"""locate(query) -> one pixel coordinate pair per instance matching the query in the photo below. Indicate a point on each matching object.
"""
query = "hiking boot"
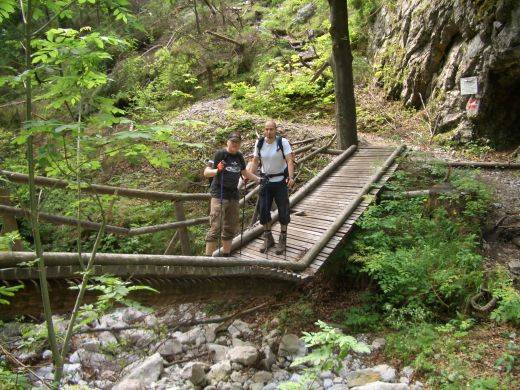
(282, 243)
(222, 254)
(268, 242)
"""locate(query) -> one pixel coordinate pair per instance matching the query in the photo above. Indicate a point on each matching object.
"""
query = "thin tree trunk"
(197, 21)
(32, 193)
(343, 79)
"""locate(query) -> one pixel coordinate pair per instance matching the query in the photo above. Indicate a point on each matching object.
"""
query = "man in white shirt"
(276, 156)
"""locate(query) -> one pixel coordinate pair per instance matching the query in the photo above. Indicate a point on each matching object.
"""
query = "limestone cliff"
(422, 48)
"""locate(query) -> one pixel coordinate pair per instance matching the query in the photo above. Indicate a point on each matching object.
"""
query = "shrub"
(424, 266)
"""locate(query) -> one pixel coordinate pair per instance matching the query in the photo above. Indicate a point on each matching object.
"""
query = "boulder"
(218, 352)
(262, 377)
(194, 372)
(245, 355)
(170, 347)
(146, 371)
(291, 345)
(382, 386)
(220, 371)
(378, 343)
(387, 373)
(269, 358)
(129, 384)
(305, 13)
(362, 377)
(239, 329)
(139, 338)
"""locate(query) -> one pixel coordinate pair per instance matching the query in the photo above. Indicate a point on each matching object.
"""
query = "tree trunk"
(343, 79)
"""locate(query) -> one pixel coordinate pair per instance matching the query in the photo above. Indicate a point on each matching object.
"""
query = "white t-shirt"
(272, 160)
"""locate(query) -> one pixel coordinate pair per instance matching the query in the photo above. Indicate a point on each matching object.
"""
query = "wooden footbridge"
(323, 212)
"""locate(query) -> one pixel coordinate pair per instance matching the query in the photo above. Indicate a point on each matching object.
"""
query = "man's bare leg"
(211, 246)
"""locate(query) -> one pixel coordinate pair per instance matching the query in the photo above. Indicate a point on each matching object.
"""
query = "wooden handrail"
(106, 190)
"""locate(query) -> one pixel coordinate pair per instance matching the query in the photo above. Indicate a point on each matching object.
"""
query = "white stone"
(291, 345)
(328, 383)
(269, 359)
(138, 337)
(387, 373)
(192, 336)
(382, 386)
(210, 332)
(237, 376)
(147, 370)
(219, 352)
(47, 354)
(404, 380)
(407, 371)
(170, 347)
(106, 338)
(220, 371)
(240, 328)
(245, 355)
(129, 384)
(378, 343)
(91, 345)
(262, 377)
(194, 372)
(131, 315)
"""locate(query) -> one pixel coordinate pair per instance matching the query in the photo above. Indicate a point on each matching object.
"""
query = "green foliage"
(112, 291)
(509, 358)
(7, 7)
(296, 315)
(501, 287)
(447, 355)
(8, 292)
(10, 380)
(329, 347)
(423, 265)
(360, 319)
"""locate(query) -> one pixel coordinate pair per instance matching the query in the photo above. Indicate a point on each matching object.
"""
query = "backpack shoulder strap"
(280, 145)
(259, 145)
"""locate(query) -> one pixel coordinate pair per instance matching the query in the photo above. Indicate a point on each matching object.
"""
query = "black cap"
(235, 136)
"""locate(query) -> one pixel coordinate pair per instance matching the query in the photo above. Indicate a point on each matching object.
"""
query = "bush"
(424, 265)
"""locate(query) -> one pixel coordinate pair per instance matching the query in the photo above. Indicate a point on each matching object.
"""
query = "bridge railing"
(9, 213)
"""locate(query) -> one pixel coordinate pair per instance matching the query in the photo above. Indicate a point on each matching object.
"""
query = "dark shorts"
(278, 192)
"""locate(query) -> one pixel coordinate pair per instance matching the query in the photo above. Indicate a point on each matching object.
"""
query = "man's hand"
(290, 182)
(221, 165)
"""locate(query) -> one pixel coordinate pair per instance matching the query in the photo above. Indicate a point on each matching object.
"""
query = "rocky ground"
(148, 353)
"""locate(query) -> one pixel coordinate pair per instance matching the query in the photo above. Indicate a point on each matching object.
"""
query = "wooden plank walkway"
(312, 216)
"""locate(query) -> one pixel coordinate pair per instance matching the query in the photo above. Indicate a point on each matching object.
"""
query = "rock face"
(421, 50)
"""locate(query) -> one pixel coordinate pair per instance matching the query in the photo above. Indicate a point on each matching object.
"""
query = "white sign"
(468, 85)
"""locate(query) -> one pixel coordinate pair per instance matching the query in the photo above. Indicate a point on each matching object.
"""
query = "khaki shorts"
(230, 219)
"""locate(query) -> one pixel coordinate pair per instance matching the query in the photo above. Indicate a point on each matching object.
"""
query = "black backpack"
(279, 145)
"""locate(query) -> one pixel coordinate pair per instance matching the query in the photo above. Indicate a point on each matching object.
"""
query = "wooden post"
(183, 231)
(10, 224)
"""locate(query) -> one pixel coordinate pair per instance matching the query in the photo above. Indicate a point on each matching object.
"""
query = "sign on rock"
(469, 85)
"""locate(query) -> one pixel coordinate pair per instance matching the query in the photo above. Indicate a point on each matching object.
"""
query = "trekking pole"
(243, 217)
(221, 210)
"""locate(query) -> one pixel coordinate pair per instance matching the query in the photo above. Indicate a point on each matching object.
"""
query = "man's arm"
(290, 167)
(254, 165)
(250, 176)
(210, 172)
